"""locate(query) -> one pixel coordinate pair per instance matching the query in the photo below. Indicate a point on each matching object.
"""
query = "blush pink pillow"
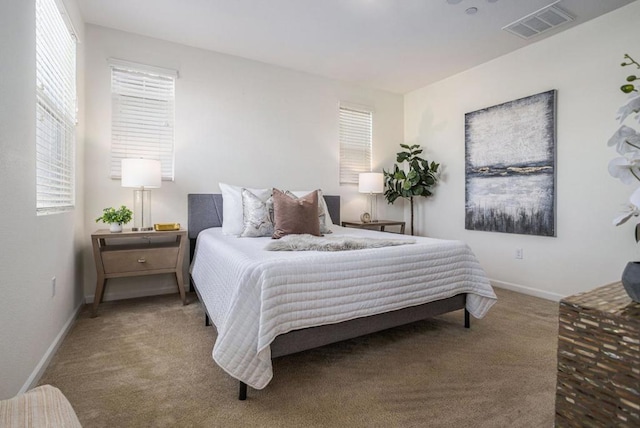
(295, 216)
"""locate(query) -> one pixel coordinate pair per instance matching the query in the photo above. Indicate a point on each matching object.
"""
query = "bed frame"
(205, 211)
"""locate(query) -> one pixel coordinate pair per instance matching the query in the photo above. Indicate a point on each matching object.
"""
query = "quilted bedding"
(253, 295)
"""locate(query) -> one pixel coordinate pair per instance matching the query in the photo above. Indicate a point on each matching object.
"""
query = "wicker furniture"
(599, 360)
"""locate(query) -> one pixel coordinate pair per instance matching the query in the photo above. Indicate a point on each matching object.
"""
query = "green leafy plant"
(123, 215)
(418, 180)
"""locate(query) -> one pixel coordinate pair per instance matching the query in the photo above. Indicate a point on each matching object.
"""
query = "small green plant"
(119, 216)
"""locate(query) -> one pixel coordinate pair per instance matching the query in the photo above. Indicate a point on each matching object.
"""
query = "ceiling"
(394, 45)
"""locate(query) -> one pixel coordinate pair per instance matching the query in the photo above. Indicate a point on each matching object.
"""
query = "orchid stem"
(633, 61)
(632, 145)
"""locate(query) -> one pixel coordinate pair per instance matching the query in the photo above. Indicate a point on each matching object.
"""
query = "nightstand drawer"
(139, 260)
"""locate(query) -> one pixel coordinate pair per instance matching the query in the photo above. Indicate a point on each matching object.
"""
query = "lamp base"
(374, 207)
(142, 210)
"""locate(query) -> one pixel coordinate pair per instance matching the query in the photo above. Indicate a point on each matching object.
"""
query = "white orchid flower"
(626, 140)
(634, 199)
(631, 211)
(632, 106)
(626, 169)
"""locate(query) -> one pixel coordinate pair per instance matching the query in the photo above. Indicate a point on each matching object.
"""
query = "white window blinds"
(355, 142)
(142, 120)
(55, 110)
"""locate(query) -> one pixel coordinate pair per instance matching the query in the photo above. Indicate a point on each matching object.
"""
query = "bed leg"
(467, 321)
(207, 321)
(242, 392)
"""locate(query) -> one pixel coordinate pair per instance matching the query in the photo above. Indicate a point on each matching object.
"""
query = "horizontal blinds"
(355, 143)
(142, 121)
(55, 110)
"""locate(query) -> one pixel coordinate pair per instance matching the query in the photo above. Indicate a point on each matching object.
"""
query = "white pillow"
(326, 227)
(232, 218)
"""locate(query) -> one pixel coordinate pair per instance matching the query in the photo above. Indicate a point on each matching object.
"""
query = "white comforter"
(253, 295)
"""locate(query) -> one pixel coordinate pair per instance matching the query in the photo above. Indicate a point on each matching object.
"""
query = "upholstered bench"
(44, 406)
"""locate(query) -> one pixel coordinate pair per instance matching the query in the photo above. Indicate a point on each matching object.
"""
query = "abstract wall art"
(510, 166)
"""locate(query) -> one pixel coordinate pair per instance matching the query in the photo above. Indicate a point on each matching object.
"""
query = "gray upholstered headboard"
(205, 211)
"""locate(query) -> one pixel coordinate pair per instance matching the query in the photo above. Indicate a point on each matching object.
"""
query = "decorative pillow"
(295, 216)
(232, 214)
(323, 211)
(257, 214)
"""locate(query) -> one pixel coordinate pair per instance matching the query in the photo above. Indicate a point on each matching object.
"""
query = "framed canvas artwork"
(510, 167)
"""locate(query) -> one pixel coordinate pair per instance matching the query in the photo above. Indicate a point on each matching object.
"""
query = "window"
(355, 142)
(55, 110)
(142, 115)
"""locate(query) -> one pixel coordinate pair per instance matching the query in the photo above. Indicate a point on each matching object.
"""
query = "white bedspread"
(253, 295)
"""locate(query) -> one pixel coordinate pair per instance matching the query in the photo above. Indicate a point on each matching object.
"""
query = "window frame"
(55, 108)
(142, 96)
(355, 134)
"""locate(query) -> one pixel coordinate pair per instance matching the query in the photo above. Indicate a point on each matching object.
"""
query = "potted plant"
(115, 217)
(418, 180)
(626, 167)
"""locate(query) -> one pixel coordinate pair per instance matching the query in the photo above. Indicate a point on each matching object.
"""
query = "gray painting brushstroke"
(510, 167)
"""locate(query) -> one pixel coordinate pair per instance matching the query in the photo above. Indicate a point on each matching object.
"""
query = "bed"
(287, 303)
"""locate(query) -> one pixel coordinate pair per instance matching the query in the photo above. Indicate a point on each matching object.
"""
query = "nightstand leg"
(180, 282)
(97, 298)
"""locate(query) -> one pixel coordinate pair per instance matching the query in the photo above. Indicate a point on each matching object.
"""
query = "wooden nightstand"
(380, 225)
(137, 253)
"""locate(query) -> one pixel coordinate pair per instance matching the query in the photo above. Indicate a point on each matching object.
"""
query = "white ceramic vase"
(115, 227)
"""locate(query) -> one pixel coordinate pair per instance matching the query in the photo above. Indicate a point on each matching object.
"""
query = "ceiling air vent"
(539, 21)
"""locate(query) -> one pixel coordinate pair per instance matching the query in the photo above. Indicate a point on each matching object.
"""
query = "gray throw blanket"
(331, 243)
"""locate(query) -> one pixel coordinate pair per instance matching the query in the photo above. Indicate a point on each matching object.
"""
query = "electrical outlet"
(53, 286)
(519, 254)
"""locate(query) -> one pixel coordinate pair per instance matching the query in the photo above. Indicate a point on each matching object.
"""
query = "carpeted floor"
(147, 362)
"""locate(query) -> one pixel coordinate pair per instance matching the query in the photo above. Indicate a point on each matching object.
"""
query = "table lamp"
(141, 174)
(371, 183)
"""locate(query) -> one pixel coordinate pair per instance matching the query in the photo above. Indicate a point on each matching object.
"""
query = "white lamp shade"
(141, 173)
(371, 182)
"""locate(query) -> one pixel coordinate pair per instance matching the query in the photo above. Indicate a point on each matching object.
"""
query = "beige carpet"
(147, 362)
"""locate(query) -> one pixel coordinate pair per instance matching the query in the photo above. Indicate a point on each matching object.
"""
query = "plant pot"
(631, 280)
(115, 227)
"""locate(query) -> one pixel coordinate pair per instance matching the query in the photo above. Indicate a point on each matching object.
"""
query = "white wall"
(34, 248)
(583, 65)
(237, 121)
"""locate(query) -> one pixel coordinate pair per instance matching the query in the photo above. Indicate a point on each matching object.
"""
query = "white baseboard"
(37, 373)
(527, 290)
(131, 294)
